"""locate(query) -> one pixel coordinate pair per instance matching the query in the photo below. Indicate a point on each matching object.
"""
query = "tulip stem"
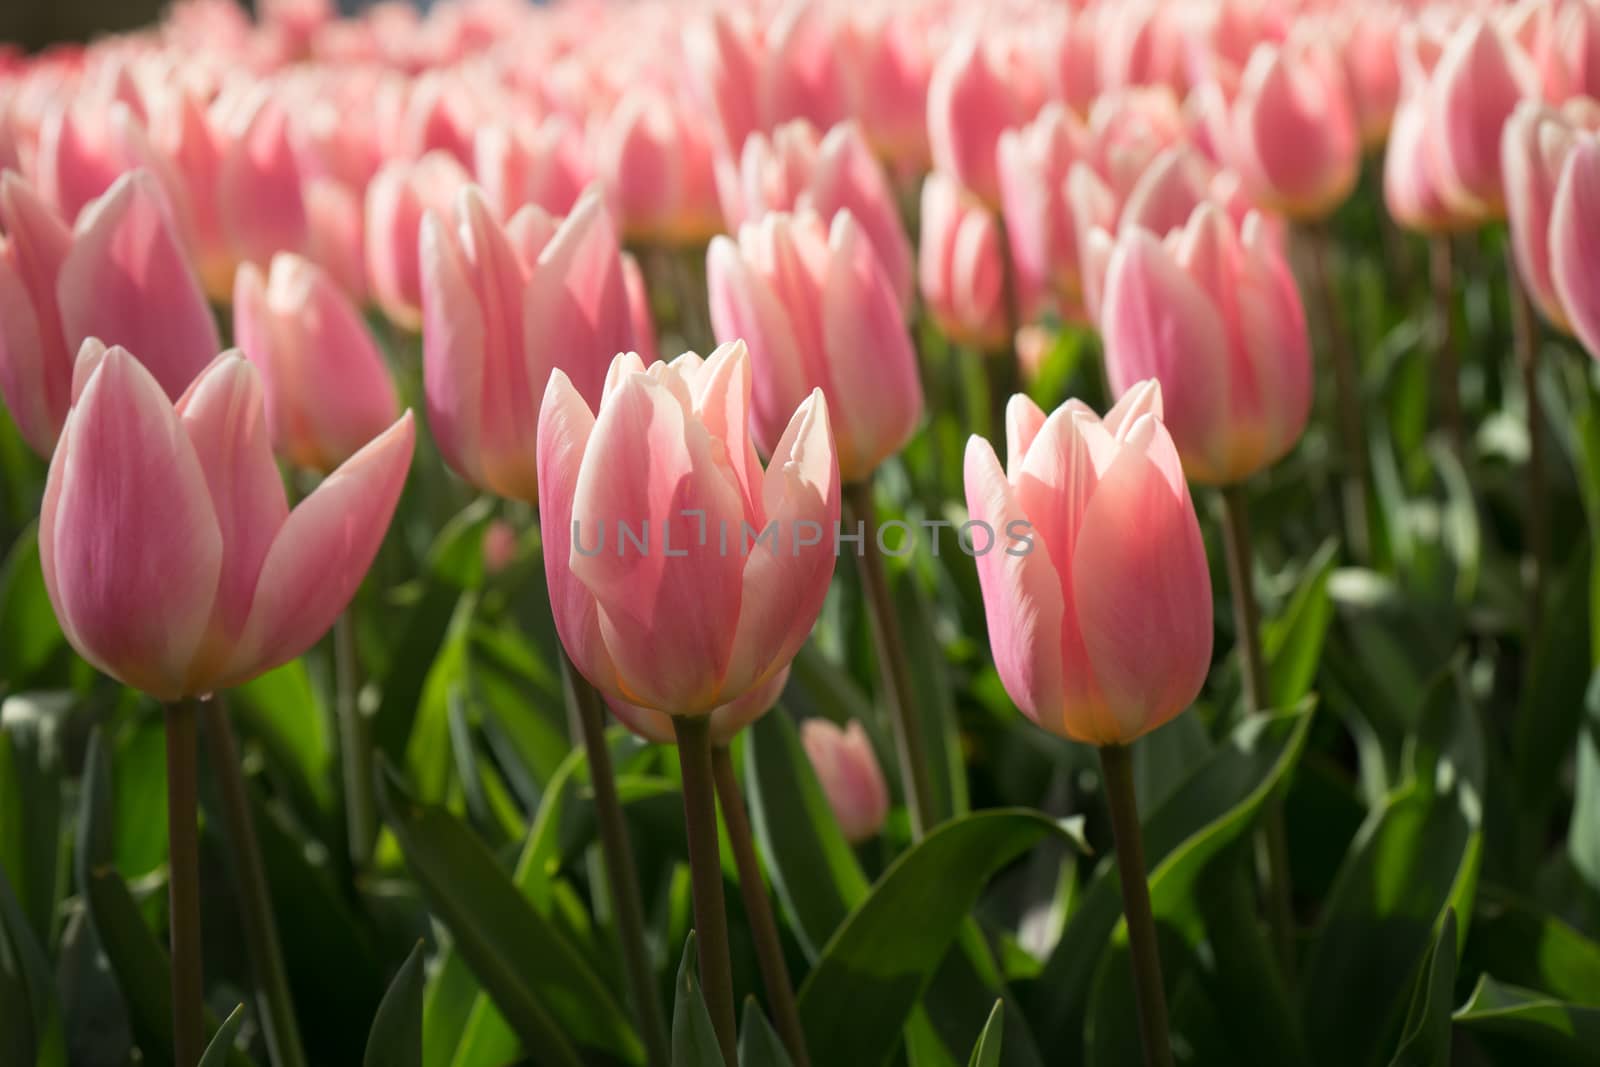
(275, 1004)
(1004, 373)
(622, 877)
(910, 747)
(705, 876)
(1347, 391)
(355, 745)
(1525, 341)
(183, 883)
(1116, 768)
(758, 908)
(1257, 697)
(1446, 360)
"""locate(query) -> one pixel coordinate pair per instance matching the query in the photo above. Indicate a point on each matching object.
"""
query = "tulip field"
(802, 533)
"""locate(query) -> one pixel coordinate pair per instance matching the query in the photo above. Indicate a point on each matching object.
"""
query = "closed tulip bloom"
(850, 776)
(327, 390)
(261, 196)
(639, 313)
(1033, 165)
(688, 622)
(959, 266)
(1212, 313)
(504, 306)
(972, 100)
(815, 306)
(726, 721)
(1368, 43)
(655, 158)
(1574, 250)
(886, 63)
(1100, 623)
(399, 196)
(167, 544)
(521, 163)
(35, 367)
(1538, 139)
(1480, 78)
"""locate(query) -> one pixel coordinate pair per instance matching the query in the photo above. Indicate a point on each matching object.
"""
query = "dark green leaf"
(1512, 939)
(217, 1053)
(1583, 835)
(396, 1036)
(759, 1045)
(987, 1052)
(694, 1039)
(1523, 1027)
(1425, 1040)
(30, 803)
(1292, 642)
(26, 617)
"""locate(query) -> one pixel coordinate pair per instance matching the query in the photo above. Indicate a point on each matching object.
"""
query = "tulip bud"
(850, 776)
(520, 163)
(499, 546)
(35, 368)
(1033, 165)
(1534, 150)
(1479, 80)
(972, 99)
(1368, 42)
(504, 306)
(261, 199)
(1099, 614)
(959, 266)
(655, 161)
(169, 552)
(1574, 255)
(886, 63)
(1213, 314)
(327, 389)
(812, 301)
(682, 575)
(397, 199)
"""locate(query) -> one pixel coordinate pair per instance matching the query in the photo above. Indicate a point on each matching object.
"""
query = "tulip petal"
(453, 336)
(1575, 243)
(1024, 420)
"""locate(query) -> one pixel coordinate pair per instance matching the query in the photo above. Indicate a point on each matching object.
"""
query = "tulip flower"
(1573, 250)
(886, 63)
(1101, 622)
(502, 307)
(679, 623)
(169, 551)
(81, 147)
(35, 369)
(398, 198)
(1534, 150)
(959, 266)
(973, 97)
(1477, 84)
(327, 390)
(1033, 165)
(726, 721)
(795, 170)
(261, 197)
(654, 158)
(1213, 314)
(850, 776)
(521, 163)
(818, 312)
(1368, 43)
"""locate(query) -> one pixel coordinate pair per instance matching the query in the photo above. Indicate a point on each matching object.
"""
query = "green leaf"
(987, 1052)
(1583, 834)
(30, 803)
(1425, 1040)
(31, 982)
(1521, 944)
(421, 639)
(281, 713)
(871, 973)
(217, 1052)
(26, 618)
(933, 699)
(1292, 642)
(1521, 1026)
(694, 1039)
(759, 1045)
(396, 1036)
(542, 985)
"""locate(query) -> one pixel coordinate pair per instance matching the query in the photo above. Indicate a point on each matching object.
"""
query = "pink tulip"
(80, 150)
(972, 99)
(504, 306)
(1537, 141)
(1577, 38)
(1033, 166)
(327, 390)
(726, 720)
(184, 136)
(851, 779)
(1072, 45)
(959, 266)
(499, 546)
(397, 199)
(794, 170)
(1292, 129)
(522, 163)
(725, 59)
(1413, 183)
(1101, 622)
(35, 368)
(1479, 80)
(128, 281)
(1141, 44)
(1574, 251)
(654, 157)
(168, 548)
(816, 308)
(261, 196)
(688, 622)
(886, 63)
(1368, 43)
(1212, 313)
(1128, 129)
(639, 314)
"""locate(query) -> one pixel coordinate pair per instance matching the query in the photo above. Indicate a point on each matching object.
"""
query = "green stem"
(1257, 697)
(910, 747)
(275, 1004)
(1357, 488)
(758, 908)
(1525, 341)
(355, 745)
(1117, 769)
(183, 883)
(1446, 358)
(705, 876)
(622, 877)
(1003, 367)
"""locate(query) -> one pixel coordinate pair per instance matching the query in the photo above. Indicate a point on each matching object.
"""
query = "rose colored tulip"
(1412, 179)
(35, 369)
(327, 390)
(1128, 129)
(128, 281)
(1141, 44)
(1213, 314)
(80, 153)
(654, 157)
(261, 197)
(794, 170)
(1574, 251)
(1479, 80)
(973, 98)
(1101, 622)
(1033, 166)
(521, 163)
(1577, 39)
(851, 779)
(1368, 42)
(504, 306)
(397, 199)
(1537, 141)
(1291, 131)
(683, 625)
(816, 308)
(886, 63)
(499, 546)
(959, 268)
(639, 314)
(183, 135)
(1072, 45)
(726, 721)
(168, 548)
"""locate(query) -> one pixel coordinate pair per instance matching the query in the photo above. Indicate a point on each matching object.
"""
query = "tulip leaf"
(876, 966)
(396, 1036)
(539, 981)
(1425, 1040)
(1514, 940)
(1521, 1026)
(1583, 834)
(759, 1044)
(694, 1039)
(26, 617)
(30, 803)
(1292, 642)
(987, 1051)
(217, 1052)
(26, 976)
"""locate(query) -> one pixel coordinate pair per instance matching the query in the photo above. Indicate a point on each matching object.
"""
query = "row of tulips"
(803, 186)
